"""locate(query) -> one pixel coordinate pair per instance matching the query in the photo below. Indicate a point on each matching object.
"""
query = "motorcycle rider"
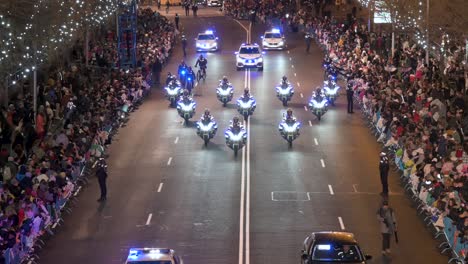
(182, 66)
(224, 83)
(170, 78)
(202, 61)
(284, 81)
(318, 95)
(186, 99)
(289, 116)
(235, 125)
(246, 96)
(191, 74)
(206, 118)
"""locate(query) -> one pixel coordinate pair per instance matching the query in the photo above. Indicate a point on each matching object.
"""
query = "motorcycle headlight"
(207, 127)
(316, 104)
(223, 91)
(290, 129)
(172, 91)
(186, 107)
(234, 137)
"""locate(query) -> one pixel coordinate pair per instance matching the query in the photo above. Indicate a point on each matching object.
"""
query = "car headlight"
(260, 59)
(281, 43)
(199, 45)
(265, 43)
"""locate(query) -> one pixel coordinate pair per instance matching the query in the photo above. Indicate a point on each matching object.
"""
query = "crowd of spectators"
(42, 156)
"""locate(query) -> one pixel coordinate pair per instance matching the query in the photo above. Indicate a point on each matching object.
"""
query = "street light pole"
(427, 31)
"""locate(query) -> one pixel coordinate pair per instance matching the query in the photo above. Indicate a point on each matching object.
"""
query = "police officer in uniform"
(349, 95)
(308, 40)
(101, 174)
(384, 167)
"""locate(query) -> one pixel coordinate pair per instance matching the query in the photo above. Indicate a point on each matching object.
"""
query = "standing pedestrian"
(388, 225)
(384, 167)
(156, 69)
(101, 174)
(308, 40)
(187, 9)
(159, 4)
(184, 44)
(349, 95)
(176, 19)
(167, 6)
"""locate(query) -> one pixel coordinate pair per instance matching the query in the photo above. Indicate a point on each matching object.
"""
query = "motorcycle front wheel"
(246, 116)
(285, 102)
(207, 140)
(236, 149)
(290, 143)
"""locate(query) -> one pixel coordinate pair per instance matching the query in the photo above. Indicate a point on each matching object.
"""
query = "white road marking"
(160, 187)
(176, 140)
(295, 74)
(288, 51)
(246, 29)
(341, 223)
(247, 203)
(292, 66)
(298, 84)
(302, 96)
(169, 161)
(331, 189)
(290, 58)
(148, 221)
(310, 123)
(305, 108)
(355, 188)
(315, 140)
(323, 163)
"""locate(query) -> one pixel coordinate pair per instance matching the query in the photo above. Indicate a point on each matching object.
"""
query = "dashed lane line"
(330, 188)
(160, 186)
(176, 140)
(323, 163)
(305, 108)
(148, 221)
(169, 161)
(316, 141)
(302, 96)
(341, 223)
(310, 123)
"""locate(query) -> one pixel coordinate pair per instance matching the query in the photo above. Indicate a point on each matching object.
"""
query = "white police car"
(214, 3)
(153, 256)
(206, 41)
(249, 56)
(273, 39)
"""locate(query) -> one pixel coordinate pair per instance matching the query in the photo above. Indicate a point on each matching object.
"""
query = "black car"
(332, 247)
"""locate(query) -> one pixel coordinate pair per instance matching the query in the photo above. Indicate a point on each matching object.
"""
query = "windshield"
(337, 253)
(272, 35)
(249, 50)
(151, 262)
(206, 37)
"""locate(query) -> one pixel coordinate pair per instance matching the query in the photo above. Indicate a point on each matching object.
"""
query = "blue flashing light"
(182, 72)
(323, 247)
(189, 78)
(275, 30)
(133, 252)
(209, 32)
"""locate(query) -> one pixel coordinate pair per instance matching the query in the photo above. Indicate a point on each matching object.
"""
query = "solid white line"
(315, 140)
(298, 84)
(169, 161)
(241, 217)
(331, 189)
(341, 223)
(160, 187)
(310, 123)
(323, 163)
(176, 140)
(302, 96)
(247, 194)
(148, 221)
(305, 108)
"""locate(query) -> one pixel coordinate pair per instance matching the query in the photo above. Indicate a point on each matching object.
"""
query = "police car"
(214, 2)
(206, 41)
(273, 39)
(153, 256)
(332, 247)
(249, 56)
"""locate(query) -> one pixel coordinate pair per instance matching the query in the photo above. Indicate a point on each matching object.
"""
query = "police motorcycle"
(236, 136)
(284, 91)
(246, 104)
(182, 71)
(289, 127)
(224, 91)
(318, 104)
(190, 79)
(206, 127)
(331, 88)
(173, 90)
(186, 107)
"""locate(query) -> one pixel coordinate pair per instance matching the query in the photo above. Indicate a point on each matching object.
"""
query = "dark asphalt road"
(197, 211)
